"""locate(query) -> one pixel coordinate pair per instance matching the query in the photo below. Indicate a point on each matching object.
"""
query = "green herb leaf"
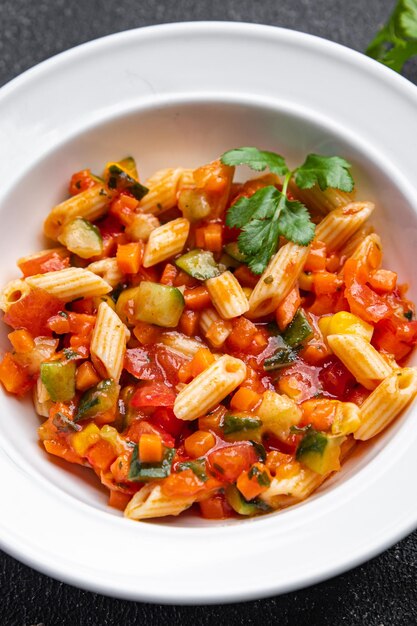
(263, 218)
(325, 171)
(198, 467)
(396, 42)
(312, 441)
(232, 424)
(256, 159)
(261, 477)
(141, 472)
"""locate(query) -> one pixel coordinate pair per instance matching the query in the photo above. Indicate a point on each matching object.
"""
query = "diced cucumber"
(298, 331)
(125, 305)
(150, 471)
(128, 164)
(59, 379)
(82, 238)
(228, 262)
(232, 249)
(199, 264)
(119, 176)
(319, 452)
(158, 304)
(242, 506)
(99, 399)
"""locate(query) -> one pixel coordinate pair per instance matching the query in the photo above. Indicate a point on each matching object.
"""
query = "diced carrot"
(21, 341)
(129, 256)
(169, 274)
(199, 443)
(253, 482)
(282, 465)
(316, 259)
(213, 237)
(150, 448)
(146, 333)
(242, 334)
(315, 352)
(333, 263)
(320, 413)
(288, 308)
(101, 455)
(123, 207)
(105, 418)
(119, 500)
(326, 283)
(197, 298)
(246, 277)
(200, 239)
(85, 306)
(81, 323)
(244, 399)
(183, 484)
(184, 373)
(383, 280)
(86, 376)
(188, 323)
(57, 448)
(184, 279)
(120, 467)
(13, 377)
(215, 507)
(59, 324)
(202, 359)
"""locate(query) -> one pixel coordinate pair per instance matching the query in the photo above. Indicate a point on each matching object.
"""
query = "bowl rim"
(23, 551)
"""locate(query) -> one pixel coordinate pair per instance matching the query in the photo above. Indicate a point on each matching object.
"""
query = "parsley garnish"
(269, 213)
(396, 42)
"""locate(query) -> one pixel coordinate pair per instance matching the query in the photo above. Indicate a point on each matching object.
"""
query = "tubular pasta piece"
(227, 295)
(151, 502)
(89, 204)
(41, 399)
(214, 328)
(362, 250)
(361, 359)
(13, 292)
(357, 238)
(339, 225)
(209, 388)
(284, 268)
(186, 179)
(386, 402)
(162, 194)
(108, 342)
(181, 343)
(70, 283)
(166, 241)
(322, 201)
(108, 270)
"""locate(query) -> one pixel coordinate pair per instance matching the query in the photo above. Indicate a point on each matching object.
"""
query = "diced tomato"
(142, 426)
(182, 484)
(395, 337)
(154, 363)
(51, 261)
(242, 334)
(216, 507)
(80, 181)
(153, 394)
(33, 311)
(14, 377)
(101, 455)
(228, 462)
(335, 378)
(164, 418)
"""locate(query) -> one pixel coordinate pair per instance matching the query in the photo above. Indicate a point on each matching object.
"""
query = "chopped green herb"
(63, 314)
(141, 472)
(261, 477)
(312, 441)
(408, 315)
(233, 423)
(198, 467)
(64, 424)
(70, 355)
(260, 450)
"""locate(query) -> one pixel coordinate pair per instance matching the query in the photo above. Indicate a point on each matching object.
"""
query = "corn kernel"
(344, 323)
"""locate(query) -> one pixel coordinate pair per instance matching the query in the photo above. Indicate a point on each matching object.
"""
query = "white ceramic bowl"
(182, 94)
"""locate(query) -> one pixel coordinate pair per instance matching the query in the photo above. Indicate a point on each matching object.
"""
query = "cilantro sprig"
(396, 42)
(269, 214)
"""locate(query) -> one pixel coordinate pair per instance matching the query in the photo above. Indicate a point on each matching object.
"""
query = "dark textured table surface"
(381, 592)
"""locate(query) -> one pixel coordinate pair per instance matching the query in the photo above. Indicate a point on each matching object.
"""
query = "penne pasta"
(355, 240)
(13, 292)
(70, 283)
(166, 241)
(227, 295)
(370, 247)
(277, 280)
(141, 226)
(214, 328)
(162, 194)
(181, 343)
(149, 502)
(108, 270)
(360, 358)
(89, 204)
(339, 225)
(386, 402)
(322, 201)
(108, 343)
(209, 388)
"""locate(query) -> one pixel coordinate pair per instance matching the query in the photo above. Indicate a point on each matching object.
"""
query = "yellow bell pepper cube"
(84, 439)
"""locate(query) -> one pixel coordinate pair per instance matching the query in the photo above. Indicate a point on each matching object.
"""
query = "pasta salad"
(210, 344)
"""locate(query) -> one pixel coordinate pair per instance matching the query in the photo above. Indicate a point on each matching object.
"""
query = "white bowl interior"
(186, 133)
